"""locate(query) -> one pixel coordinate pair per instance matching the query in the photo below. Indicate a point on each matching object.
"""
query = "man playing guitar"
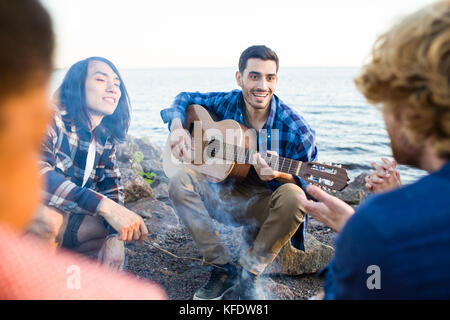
(265, 202)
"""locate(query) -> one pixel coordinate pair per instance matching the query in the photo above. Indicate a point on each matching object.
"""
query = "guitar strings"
(244, 155)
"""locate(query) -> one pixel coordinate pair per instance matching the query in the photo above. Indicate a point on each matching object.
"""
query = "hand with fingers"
(329, 210)
(385, 177)
(129, 225)
(264, 171)
(180, 142)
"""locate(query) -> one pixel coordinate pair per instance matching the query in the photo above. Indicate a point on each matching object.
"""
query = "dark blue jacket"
(397, 244)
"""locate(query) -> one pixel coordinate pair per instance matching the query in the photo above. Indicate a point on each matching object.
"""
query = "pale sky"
(210, 33)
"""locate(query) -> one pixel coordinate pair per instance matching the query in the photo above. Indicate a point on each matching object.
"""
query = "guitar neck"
(246, 156)
(282, 164)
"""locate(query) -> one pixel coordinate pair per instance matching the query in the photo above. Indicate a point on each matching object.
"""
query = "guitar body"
(203, 130)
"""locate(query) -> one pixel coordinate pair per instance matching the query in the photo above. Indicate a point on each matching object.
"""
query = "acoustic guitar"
(224, 151)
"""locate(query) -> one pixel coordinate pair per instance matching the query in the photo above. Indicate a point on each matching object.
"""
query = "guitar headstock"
(326, 176)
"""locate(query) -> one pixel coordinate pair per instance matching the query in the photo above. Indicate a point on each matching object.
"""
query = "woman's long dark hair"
(72, 96)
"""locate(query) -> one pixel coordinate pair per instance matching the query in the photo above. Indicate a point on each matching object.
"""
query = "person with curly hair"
(395, 245)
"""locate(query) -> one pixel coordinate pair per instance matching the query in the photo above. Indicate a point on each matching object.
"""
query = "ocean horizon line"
(234, 68)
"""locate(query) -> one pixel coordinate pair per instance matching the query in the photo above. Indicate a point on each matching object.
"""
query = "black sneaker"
(220, 282)
(250, 287)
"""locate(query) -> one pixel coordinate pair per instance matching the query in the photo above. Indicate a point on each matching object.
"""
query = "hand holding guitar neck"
(267, 173)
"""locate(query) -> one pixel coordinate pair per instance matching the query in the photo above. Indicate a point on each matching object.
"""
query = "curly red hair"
(410, 67)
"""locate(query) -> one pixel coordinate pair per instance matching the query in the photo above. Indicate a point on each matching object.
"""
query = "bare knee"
(47, 223)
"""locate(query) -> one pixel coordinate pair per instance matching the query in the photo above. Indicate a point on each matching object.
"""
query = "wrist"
(176, 124)
(103, 208)
(285, 178)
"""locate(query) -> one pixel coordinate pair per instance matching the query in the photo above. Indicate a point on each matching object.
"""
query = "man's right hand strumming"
(180, 142)
(128, 224)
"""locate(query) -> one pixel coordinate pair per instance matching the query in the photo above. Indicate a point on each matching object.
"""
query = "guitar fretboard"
(218, 149)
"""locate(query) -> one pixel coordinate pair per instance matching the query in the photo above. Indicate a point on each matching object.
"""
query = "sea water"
(349, 131)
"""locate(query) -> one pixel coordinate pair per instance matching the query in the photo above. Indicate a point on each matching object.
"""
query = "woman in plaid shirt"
(83, 197)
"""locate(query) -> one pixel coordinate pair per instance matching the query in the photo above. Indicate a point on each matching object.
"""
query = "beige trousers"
(269, 218)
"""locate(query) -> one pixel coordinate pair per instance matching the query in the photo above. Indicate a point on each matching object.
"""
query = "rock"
(291, 261)
(322, 232)
(155, 165)
(125, 151)
(355, 192)
(151, 151)
(129, 165)
(277, 291)
(161, 191)
(135, 186)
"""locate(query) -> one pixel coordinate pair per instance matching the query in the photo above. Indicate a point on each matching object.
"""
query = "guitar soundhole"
(191, 128)
(212, 148)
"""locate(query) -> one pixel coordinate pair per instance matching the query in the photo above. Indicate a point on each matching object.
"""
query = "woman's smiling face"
(102, 89)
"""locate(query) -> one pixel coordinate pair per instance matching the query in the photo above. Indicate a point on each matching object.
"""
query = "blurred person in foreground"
(395, 246)
(29, 267)
(83, 196)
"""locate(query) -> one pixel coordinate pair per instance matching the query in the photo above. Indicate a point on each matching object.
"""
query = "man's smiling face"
(258, 82)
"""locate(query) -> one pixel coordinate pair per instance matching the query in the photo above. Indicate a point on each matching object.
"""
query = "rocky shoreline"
(169, 256)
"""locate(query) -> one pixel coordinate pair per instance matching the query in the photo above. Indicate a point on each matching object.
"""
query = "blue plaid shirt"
(296, 139)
